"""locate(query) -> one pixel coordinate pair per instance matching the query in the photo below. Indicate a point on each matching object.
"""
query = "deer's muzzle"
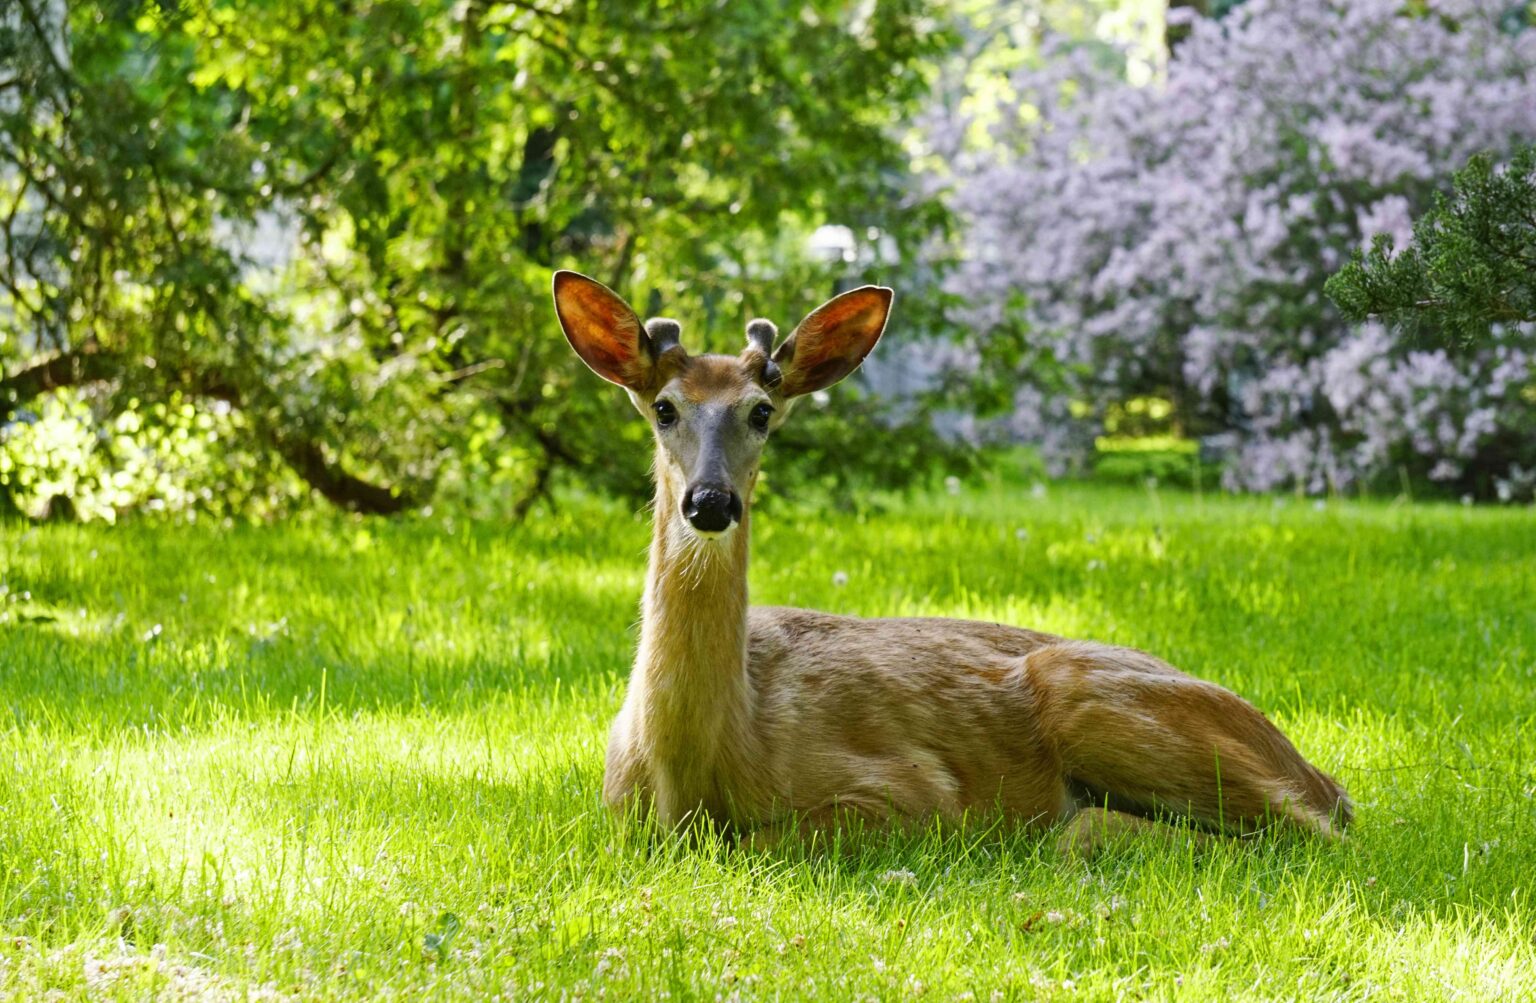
(711, 508)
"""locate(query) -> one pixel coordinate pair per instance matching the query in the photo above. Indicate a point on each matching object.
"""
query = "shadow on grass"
(483, 614)
(121, 679)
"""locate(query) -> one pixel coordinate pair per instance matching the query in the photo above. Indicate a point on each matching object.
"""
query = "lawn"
(354, 759)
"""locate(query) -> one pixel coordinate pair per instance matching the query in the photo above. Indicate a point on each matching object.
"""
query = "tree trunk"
(336, 485)
(1176, 28)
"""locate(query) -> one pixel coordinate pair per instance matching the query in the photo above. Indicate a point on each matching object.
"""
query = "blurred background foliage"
(262, 256)
(327, 229)
(1171, 241)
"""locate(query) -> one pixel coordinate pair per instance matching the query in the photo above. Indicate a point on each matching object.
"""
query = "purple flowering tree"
(1174, 239)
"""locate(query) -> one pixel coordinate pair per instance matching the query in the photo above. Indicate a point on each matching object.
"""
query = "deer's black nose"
(711, 508)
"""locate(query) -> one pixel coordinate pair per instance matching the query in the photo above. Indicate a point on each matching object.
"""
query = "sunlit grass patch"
(342, 760)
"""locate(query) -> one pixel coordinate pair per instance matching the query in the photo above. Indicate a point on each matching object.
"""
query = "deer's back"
(911, 714)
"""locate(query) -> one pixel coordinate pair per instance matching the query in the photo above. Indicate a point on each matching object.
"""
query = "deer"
(773, 722)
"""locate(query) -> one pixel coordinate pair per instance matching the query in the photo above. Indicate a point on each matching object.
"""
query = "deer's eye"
(666, 413)
(760, 415)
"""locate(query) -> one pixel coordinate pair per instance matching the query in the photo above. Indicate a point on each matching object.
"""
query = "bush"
(1173, 240)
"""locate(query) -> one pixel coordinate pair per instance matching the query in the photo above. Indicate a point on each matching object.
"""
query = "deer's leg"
(1140, 733)
(1091, 829)
(809, 826)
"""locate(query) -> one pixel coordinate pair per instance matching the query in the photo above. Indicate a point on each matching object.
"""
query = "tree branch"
(30, 15)
(73, 368)
(333, 482)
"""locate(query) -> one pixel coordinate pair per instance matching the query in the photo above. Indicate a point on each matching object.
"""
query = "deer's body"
(765, 718)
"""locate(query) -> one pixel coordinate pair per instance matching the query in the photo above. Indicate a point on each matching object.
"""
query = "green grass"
(351, 759)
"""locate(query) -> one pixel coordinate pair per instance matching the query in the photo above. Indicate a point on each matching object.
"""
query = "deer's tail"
(1148, 739)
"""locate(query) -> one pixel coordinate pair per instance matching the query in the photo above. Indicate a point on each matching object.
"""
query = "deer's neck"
(690, 687)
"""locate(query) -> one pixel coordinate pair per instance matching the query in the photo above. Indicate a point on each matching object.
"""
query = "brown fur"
(714, 378)
(893, 718)
(774, 720)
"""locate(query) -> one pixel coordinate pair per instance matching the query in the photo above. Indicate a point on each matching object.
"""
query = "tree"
(1470, 267)
(419, 169)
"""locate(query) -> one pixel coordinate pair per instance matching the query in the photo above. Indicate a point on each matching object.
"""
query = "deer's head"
(712, 414)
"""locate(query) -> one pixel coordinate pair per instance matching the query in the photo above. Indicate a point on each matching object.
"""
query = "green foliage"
(428, 164)
(841, 452)
(1155, 467)
(350, 759)
(1471, 265)
(77, 458)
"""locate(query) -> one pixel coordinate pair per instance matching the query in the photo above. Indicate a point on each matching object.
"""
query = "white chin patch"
(705, 534)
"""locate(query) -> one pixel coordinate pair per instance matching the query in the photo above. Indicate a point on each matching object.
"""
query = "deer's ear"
(832, 340)
(603, 330)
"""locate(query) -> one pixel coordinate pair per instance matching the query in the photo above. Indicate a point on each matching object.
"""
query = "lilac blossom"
(1175, 238)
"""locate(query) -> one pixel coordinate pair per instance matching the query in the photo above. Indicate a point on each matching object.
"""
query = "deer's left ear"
(832, 340)
(603, 330)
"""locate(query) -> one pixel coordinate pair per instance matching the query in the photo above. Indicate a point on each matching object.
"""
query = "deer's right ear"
(603, 330)
(832, 341)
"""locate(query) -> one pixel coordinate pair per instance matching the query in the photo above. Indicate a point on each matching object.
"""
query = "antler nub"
(760, 337)
(761, 334)
(665, 334)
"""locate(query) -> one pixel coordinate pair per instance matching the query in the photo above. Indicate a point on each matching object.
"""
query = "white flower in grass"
(952, 484)
(839, 578)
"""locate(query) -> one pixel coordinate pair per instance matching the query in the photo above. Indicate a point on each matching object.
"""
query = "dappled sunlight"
(303, 812)
(1467, 955)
